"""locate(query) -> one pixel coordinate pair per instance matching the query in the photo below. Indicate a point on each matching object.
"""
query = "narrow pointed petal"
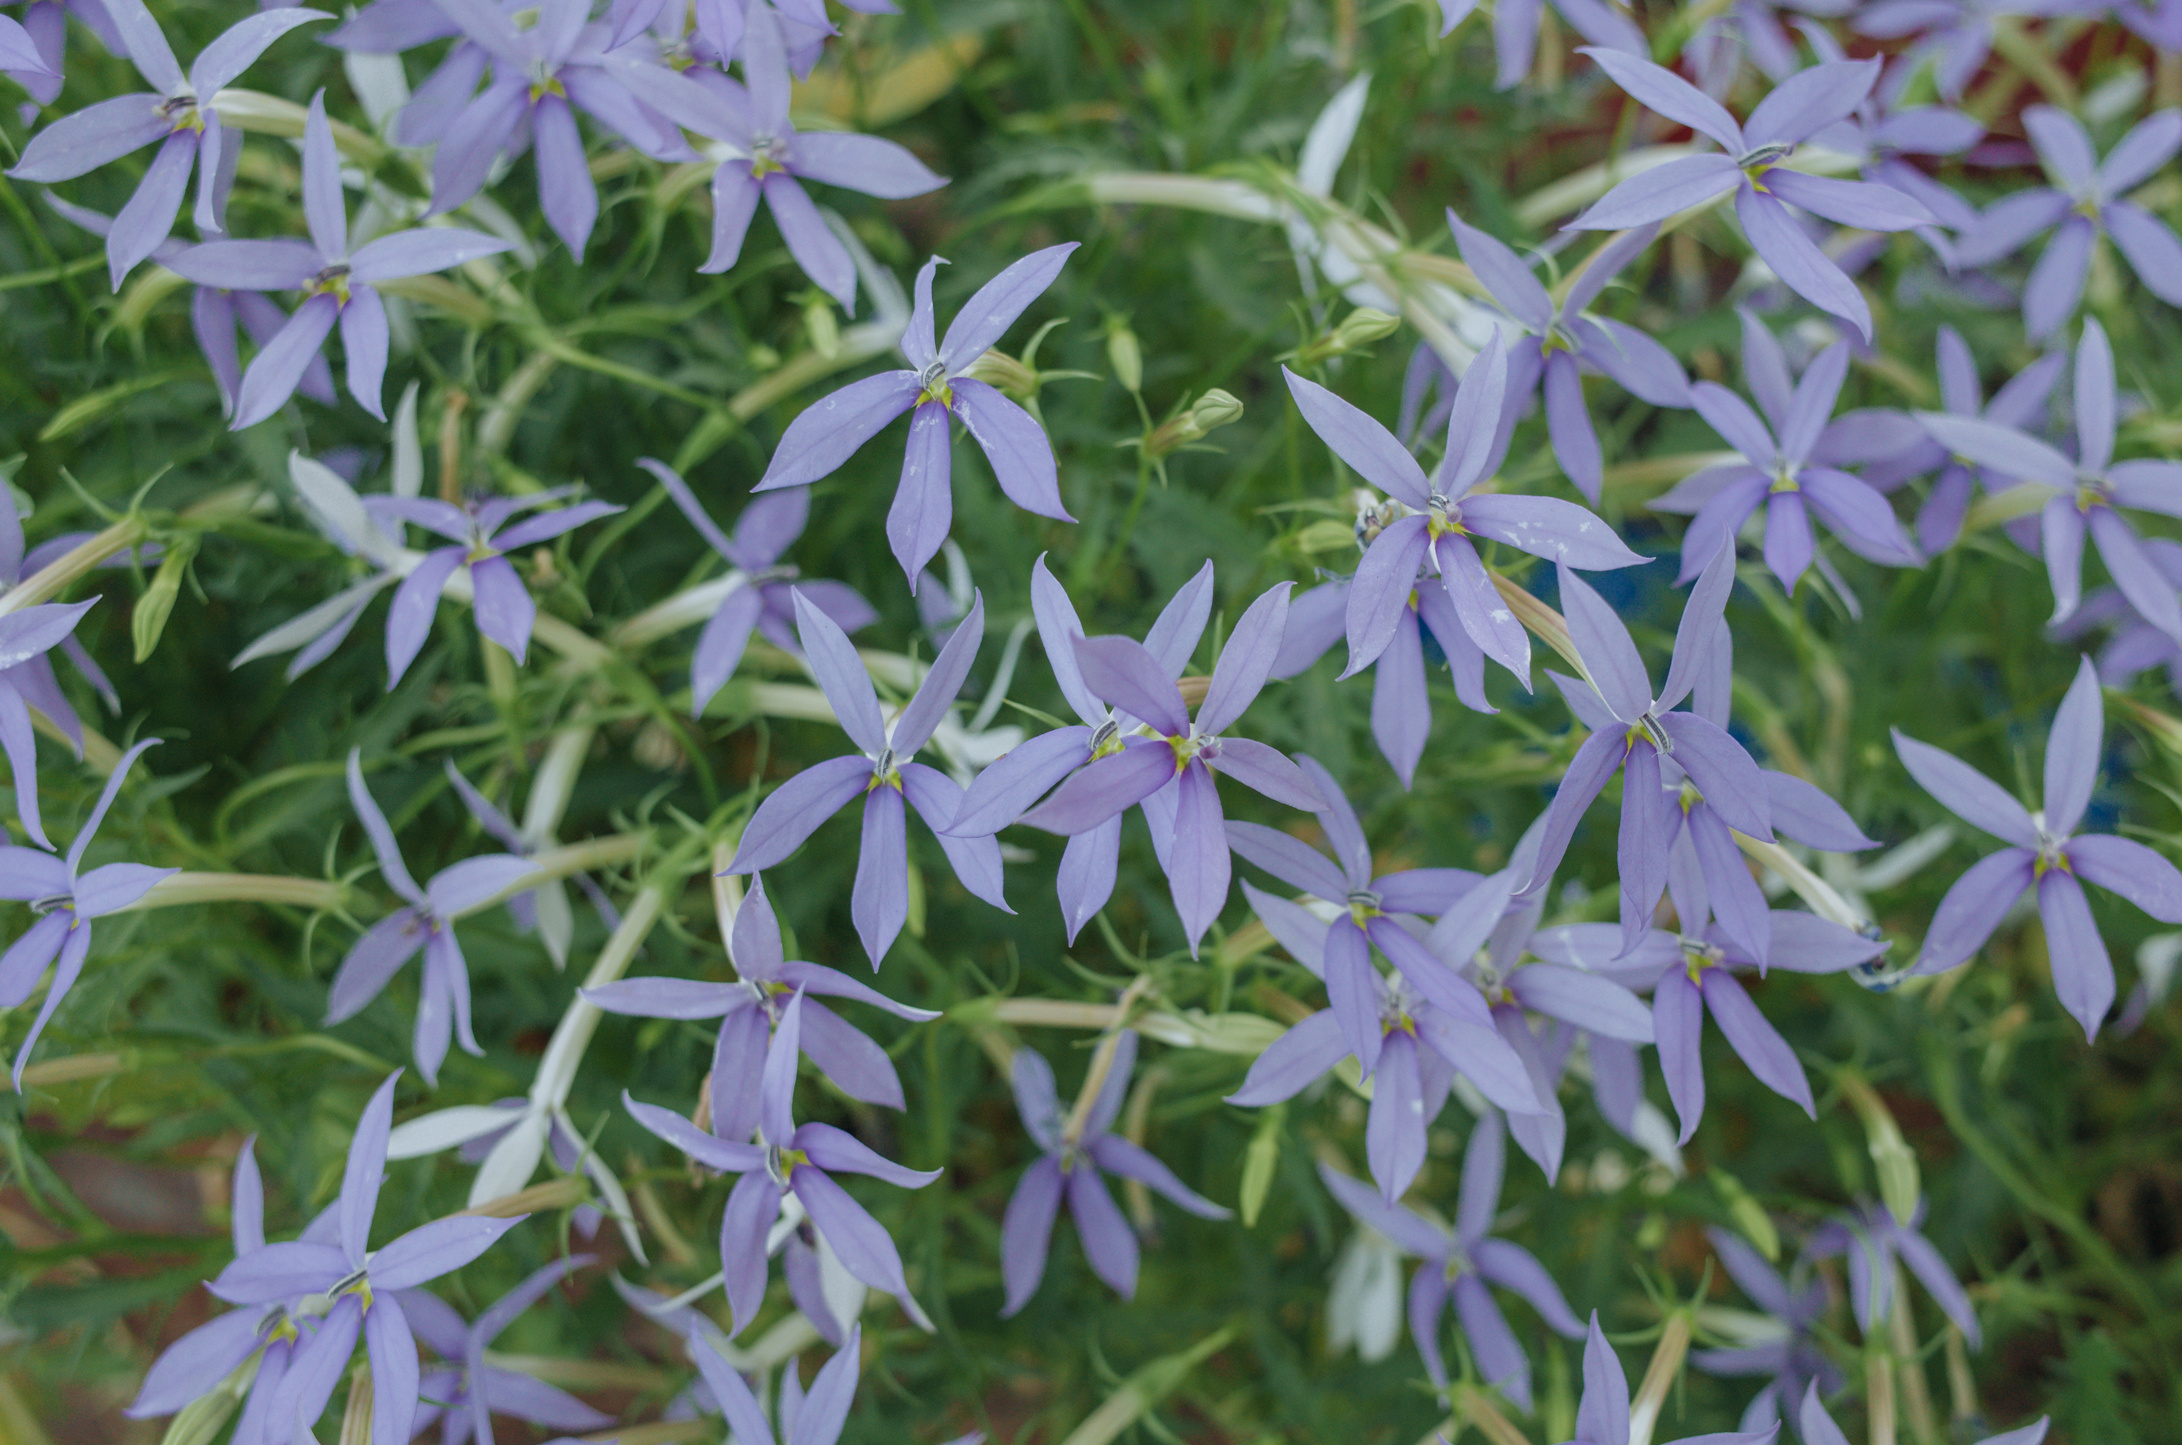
(987, 315)
(879, 901)
(1015, 445)
(1801, 266)
(1966, 792)
(936, 693)
(793, 811)
(2083, 975)
(1661, 90)
(1360, 441)
(1678, 1021)
(1760, 1044)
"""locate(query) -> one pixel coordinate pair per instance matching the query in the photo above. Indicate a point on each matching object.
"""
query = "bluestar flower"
(1444, 513)
(934, 388)
(1788, 466)
(761, 155)
(443, 1000)
(1005, 791)
(812, 1419)
(1602, 1415)
(65, 901)
(2085, 494)
(483, 533)
(1166, 763)
(26, 636)
(1752, 168)
(2044, 852)
(1070, 1167)
(1956, 36)
(183, 116)
(1788, 1355)
(1874, 1242)
(337, 284)
(466, 1392)
(1515, 30)
(214, 313)
(883, 774)
(350, 1289)
(1456, 1265)
(762, 598)
(2134, 644)
(33, 48)
(789, 1160)
(2018, 404)
(1637, 731)
(1819, 1427)
(540, 76)
(1559, 341)
(2084, 202)
(750, 1009)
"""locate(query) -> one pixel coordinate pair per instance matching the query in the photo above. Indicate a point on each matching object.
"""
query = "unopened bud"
(157, 604)
(1891, 1156)
(1259, 1161)
(1126, 357)
(1363, 326)
(1000, 370)
(1751, 1220)
(202, 1419)
(1214, 409)
(823, 326)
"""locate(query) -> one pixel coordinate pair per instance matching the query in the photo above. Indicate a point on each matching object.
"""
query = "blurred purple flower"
(359, 1288)
(336, 285)
(1458, 1264)
(2044, 851)
(751, 1008)
(466, 1392)
(482, 539)
(33, 58)
(764, 597)
(543, 909)
(1955, 35)
(2017, 404)
(2084, 201)
(2134, 644)
(1005, 791)
(883, 775)
(2085, 493)
(1167, 762)
(64, 902)
(540, 75)
(1791, 1359)
(787, 1159)
(443, 1001)
(1071, 1166)
(1443, 514)
(182, 116)
(1874, 1242)
(828, 432)
(1752, 167)
(1635, 732)
(1557, 341)
(1515, 31)
(1787, 467)
(1819, 1427)
(1602, 1415)
(761, 155)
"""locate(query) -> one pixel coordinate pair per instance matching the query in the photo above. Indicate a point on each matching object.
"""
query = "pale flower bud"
(1126, 357)
(1214, 409)
(999, 370)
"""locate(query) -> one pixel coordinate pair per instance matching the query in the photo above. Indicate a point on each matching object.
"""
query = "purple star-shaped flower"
(1785, 468)
(1752, 168)
(1443, 513)
(1558, 342)
(1003, 792)
(32, 50)
(883, 775)
(829, 432)
(751, 1008)
(2087, 493)
(2084, 201)
(761, 155)
(358, 1289)
(1874, 1242)
(1637, 731)
(1071, 1167)
(1819, 1427)
(540, 76)
(26, 678)
(1515, 31)
(182, 116)
(1791, 1360)
(1166, 763)
(2044, 851)
(443, 1002)
(1457, 1264)
(1481, 938)
(1955, 35)
(544, 909)
(482, 537)
(1602, 1415)
(214, 313)
(336, 284)
(467, 1392)
(805, 1419)
(65, 902)
(790, 1160)
(2134, 644)
(2018, 405)
(764, 598)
